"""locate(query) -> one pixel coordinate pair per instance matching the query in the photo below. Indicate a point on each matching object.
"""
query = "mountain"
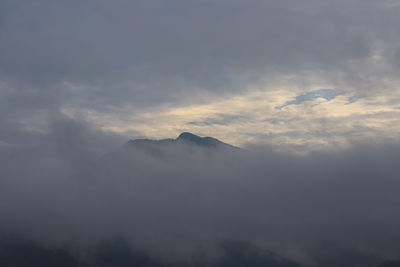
(185, 146)
(185, 138)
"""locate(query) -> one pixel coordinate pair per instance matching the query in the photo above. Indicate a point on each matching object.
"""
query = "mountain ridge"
(184, 138)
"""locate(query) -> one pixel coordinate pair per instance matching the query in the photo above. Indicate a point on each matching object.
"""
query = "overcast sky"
(305, 74)
(79, 78)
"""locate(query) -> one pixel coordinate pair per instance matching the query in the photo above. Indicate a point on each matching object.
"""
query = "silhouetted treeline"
(119, 253)
(390, 263)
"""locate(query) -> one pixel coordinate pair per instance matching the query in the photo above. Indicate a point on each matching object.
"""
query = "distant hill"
(185, 139)
(186, 147)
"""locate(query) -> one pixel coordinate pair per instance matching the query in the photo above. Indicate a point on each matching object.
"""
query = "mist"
(73, 189)
(305, 95)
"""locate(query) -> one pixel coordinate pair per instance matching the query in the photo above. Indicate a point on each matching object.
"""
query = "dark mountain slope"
(184, 138)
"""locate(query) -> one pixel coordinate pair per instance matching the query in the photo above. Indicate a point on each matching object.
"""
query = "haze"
(306, 94)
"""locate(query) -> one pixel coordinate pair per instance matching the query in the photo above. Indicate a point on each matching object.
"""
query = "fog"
(80, 186)
(308, 89)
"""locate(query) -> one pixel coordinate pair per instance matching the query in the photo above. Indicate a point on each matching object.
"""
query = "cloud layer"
(120, 64)
(309, 208)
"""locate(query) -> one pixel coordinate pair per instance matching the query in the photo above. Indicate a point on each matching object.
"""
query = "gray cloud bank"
(172, 202)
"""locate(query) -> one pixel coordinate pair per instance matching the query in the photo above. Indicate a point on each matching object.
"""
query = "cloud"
(78, 78)
(61, 192)
(140, 56)
(252, 117)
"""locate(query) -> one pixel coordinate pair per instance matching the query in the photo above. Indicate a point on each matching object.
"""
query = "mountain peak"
(184, 138)
(200, 141)
(188, 136)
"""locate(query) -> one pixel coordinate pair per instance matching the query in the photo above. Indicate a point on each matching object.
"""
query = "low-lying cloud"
(178, 198)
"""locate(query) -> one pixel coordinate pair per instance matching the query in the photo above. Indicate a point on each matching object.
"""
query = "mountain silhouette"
(184, 146)
(184, 138)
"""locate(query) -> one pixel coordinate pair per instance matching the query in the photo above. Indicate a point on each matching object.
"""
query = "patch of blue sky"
(327, 94)
(220, 119)
(353, 99)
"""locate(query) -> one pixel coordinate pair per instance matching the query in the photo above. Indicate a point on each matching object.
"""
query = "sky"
(310, 89)
(303, 75)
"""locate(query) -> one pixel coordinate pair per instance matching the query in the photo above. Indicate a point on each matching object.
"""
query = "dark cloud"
(142, 54)
(144, 49)
(186, 196)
